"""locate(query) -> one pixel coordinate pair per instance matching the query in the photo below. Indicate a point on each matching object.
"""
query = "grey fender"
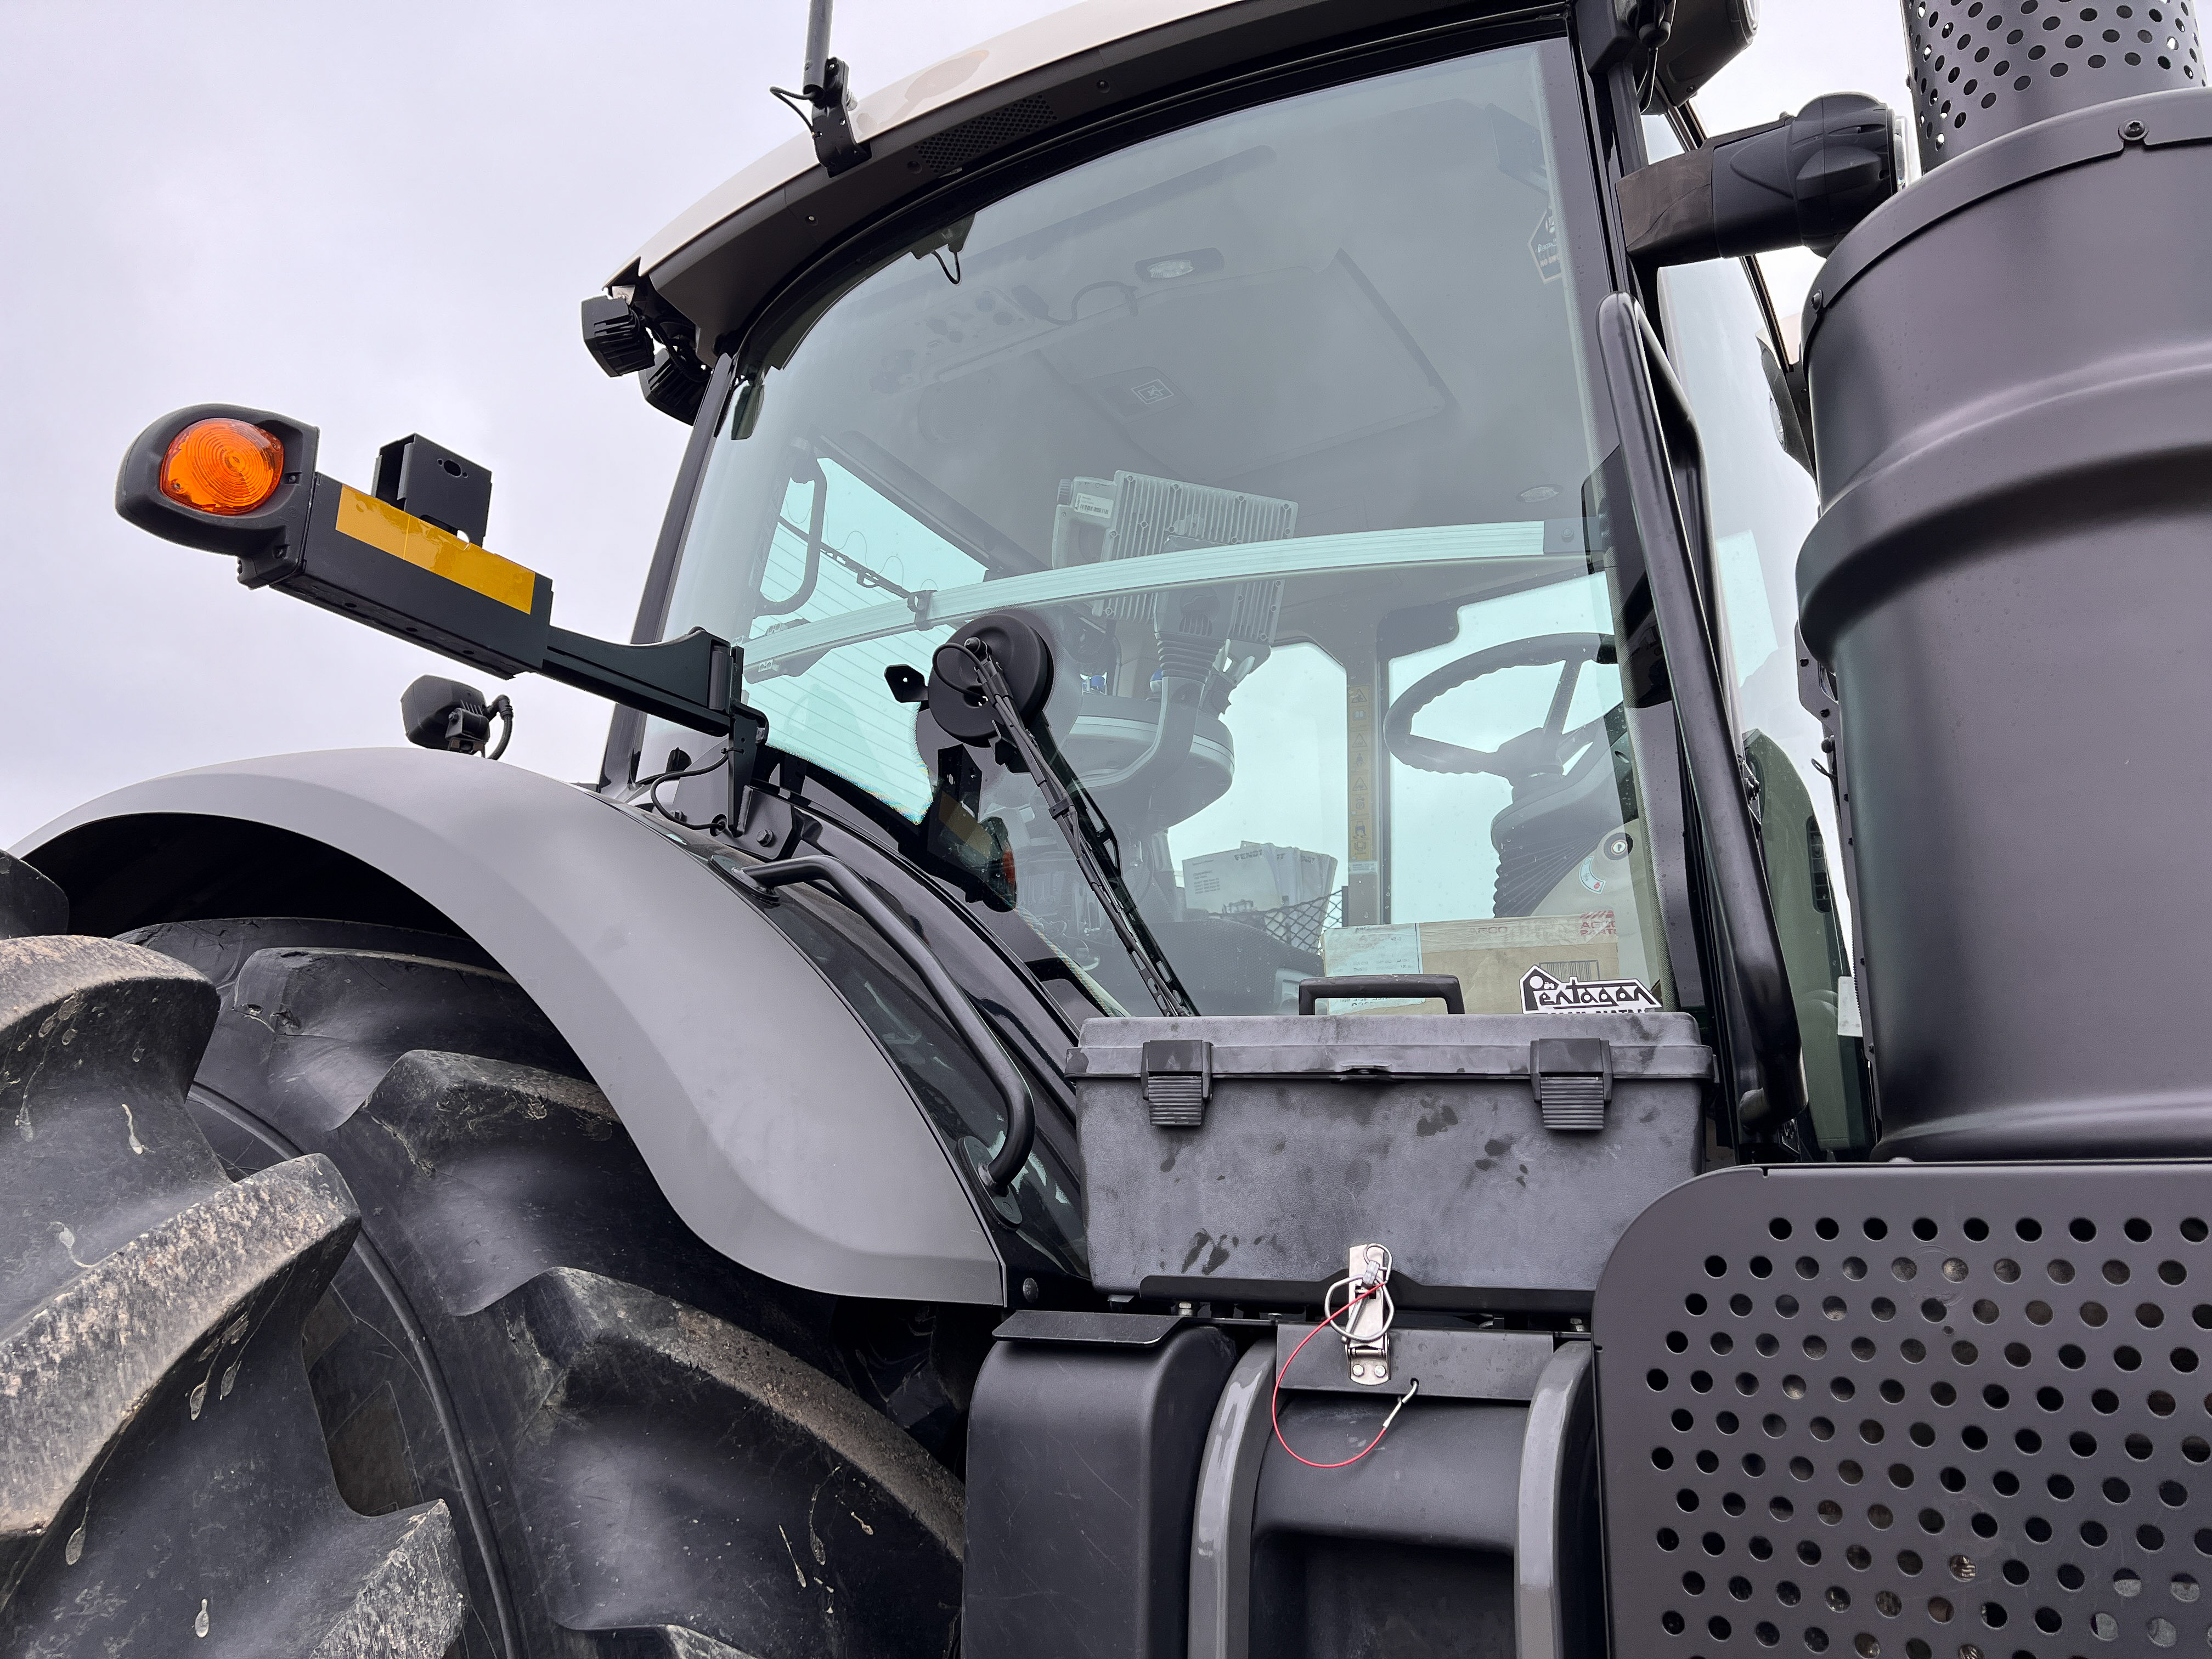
(765, 1108)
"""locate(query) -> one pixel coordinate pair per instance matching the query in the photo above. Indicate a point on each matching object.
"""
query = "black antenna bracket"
(834, 145)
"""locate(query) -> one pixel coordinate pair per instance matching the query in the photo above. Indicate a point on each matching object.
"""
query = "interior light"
(1173, 266)
(222, 466)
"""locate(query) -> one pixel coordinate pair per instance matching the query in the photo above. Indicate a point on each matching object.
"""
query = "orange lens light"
(222, 466)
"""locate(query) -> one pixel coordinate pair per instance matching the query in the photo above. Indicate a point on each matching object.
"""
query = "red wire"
(1275, 1400)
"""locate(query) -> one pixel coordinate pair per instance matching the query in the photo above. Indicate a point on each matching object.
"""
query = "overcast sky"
(379, 219)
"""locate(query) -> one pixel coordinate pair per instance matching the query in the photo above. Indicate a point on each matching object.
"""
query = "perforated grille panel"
(956, 147)
(1984, 68)
(1936, 1411)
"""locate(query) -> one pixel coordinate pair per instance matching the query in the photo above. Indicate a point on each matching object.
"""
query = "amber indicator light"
(222, 466)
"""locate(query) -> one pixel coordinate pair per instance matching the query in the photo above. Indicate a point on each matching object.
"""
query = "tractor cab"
(1282, 421)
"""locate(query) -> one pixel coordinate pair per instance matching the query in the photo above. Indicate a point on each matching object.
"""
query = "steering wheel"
(1533, 754)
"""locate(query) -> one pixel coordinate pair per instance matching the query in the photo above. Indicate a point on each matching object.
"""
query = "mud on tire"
(162, 1476)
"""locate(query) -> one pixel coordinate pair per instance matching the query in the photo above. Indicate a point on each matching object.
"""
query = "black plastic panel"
(1083, 1465)
(1939, 1412)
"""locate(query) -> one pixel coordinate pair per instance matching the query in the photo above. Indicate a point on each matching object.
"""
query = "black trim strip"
(626, 733)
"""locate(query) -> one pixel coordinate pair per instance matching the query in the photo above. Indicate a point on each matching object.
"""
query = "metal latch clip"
(1365, 1318)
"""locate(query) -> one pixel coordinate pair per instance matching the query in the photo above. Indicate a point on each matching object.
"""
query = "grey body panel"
(763, 1107)
(1221, 1515)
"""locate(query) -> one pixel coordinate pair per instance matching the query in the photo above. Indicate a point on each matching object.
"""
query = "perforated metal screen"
(1984, 68)
(1941, 1412)
(957, 146)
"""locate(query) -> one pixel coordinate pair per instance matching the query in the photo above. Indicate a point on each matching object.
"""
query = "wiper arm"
(1097, 854)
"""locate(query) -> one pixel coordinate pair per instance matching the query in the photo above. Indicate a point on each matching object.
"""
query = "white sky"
(379, 221)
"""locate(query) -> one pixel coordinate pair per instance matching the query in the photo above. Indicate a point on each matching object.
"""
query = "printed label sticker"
(1544, 993)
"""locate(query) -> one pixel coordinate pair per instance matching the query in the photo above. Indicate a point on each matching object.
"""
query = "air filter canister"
(2011, 580)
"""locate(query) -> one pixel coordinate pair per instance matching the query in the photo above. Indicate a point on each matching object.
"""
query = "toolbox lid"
(1643, 1043)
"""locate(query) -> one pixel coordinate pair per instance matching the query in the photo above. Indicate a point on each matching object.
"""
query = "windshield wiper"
(1097, 854)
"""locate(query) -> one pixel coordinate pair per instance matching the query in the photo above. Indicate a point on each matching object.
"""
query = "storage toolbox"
(1499, 1157)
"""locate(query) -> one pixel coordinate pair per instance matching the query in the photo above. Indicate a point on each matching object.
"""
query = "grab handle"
(1660, 444)
(1446, 986)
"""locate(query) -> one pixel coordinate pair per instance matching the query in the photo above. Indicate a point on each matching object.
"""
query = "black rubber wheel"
(634, 1446)
(163, 1483)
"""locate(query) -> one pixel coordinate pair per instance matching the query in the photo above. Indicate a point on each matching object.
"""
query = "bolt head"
(2133, 131)
(1358, 1370)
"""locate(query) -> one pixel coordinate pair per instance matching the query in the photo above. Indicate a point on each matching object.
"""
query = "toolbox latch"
(1572, 1077)
(1178, 1074)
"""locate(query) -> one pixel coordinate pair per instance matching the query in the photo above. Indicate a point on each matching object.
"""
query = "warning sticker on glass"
(1544, 992)
(1544, 248)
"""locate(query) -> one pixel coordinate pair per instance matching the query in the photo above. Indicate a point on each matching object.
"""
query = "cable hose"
(1275, 1398)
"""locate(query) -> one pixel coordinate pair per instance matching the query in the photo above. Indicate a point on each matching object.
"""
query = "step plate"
(1911, 1412)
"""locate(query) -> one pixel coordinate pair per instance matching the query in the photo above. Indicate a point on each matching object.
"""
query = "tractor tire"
(634, 1446)
(163, 1485)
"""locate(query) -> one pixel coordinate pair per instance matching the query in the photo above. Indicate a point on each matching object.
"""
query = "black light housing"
(437, 712)
(1703, 37)
(615, 335)
(1801, 181)
(675, 384)
(277, 525)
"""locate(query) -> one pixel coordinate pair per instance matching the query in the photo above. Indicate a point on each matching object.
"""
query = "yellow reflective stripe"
(403, 536)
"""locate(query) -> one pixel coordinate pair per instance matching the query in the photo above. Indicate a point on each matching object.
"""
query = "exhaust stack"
(1982, 68)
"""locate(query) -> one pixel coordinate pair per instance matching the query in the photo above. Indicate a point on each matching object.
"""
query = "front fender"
(762, 1106)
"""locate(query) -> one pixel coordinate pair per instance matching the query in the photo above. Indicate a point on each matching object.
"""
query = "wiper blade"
(1097, 854)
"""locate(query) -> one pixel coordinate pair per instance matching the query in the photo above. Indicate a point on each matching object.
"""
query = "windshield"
(1279, 427)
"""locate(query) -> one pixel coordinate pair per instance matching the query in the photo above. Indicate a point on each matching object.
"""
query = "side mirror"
(1799, 182)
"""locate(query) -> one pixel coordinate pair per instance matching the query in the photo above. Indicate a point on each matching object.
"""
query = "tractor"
(1328, 913)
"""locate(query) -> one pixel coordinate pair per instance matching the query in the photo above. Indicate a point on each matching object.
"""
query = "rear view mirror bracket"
(1801, 181)
(310, 536)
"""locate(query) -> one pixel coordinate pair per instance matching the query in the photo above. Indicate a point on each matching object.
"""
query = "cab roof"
(1063, 35)
(720, 260)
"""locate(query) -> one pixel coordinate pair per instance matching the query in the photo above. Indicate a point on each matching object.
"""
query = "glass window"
(1763, 504)
(1279, 426)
